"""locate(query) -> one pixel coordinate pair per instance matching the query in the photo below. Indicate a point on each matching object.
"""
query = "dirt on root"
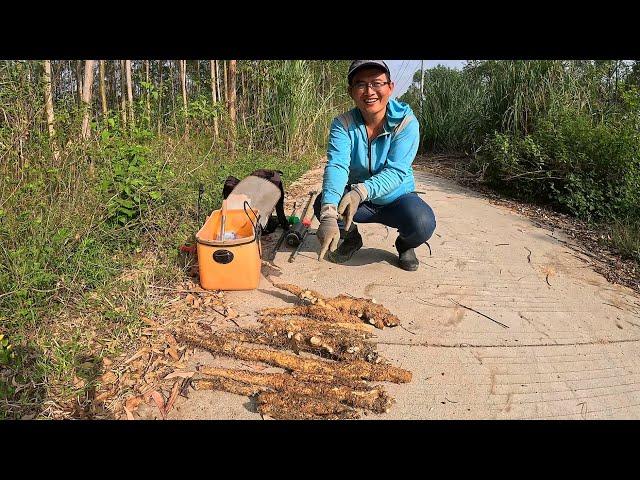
(326, 365)
(327, 362)
(322, 345)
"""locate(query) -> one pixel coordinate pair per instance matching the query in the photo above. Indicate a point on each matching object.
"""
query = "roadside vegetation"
(562, 133)
(101, 165)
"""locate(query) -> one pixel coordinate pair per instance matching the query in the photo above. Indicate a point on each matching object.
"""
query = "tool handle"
(223, 218)
(307, 207)
(293, 255)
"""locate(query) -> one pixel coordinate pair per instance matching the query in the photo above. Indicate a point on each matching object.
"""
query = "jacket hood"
(396, 111)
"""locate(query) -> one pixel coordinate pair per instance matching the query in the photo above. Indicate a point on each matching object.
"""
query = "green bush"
(131, 180)
(589, 169)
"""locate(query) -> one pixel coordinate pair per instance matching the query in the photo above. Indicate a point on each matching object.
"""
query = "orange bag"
(229, 250)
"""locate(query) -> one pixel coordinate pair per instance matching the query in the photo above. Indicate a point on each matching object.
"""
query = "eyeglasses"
(362, 86)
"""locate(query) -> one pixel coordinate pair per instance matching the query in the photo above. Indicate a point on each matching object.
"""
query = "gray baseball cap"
(358, 64)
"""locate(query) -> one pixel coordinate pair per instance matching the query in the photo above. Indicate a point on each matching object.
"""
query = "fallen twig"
(424, 302)
(480, 313)
(404, 328)
(528, 256)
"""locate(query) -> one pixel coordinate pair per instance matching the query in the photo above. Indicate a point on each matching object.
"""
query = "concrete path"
(570, 348)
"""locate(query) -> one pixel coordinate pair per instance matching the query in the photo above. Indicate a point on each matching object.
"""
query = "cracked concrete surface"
(568, 346)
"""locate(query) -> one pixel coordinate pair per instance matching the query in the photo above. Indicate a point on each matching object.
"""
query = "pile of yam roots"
(328, 381)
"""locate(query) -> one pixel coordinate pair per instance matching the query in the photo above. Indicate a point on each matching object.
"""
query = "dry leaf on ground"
(133, 403)
(179, 375)
(129, 414)
(158, 399)
(108, 378)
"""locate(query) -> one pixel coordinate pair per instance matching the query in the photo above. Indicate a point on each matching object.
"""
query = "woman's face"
(370, 90)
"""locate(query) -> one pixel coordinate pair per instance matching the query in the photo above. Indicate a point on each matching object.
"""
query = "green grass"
(66, 304)
(82, 237)
(625, 236)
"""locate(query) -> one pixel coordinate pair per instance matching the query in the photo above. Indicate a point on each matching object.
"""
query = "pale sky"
(402, 71)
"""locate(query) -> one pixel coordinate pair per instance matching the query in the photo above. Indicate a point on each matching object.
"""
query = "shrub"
(130, 180)
(588, 169)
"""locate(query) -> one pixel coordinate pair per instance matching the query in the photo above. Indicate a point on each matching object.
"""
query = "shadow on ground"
(366, 256)
(289, 298)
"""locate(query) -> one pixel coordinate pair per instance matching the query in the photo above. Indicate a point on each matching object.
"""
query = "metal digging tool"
(284, 232)
(299, 232)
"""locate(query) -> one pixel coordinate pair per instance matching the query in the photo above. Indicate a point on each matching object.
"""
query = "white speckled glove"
(350, 203)
(328, 232)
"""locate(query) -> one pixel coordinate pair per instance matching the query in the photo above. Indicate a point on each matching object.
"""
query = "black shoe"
(408, 260)
(351, 244)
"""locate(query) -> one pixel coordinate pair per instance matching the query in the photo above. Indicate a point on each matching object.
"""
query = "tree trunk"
(159, 113)
(127, 64)
(214, 97)
(226, 83)
(243, 98)
(123, 98)
(219, 81)
(86, 98)
(80, 88)
(103, 90)
(146, 67)
(173, 97)
(199, 81)
(232, 102)
(111, 69)
(183, 82)
(48, 99)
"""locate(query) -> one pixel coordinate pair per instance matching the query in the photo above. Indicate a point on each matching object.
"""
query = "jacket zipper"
(370, 172)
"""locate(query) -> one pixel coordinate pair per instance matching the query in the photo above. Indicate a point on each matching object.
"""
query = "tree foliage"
(564, 132)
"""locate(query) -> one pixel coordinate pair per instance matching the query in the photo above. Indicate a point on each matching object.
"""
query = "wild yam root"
(362, 308)
(354, 369)
(327, 340)
(285, 405)
(362, 396)
(318, 312)
(288, 334)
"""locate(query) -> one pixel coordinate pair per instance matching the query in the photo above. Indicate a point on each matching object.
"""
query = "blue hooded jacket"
(384, 166)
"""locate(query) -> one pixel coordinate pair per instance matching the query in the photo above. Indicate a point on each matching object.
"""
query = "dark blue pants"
(411, 215)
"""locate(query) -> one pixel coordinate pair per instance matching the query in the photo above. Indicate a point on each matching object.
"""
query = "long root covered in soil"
(362, 308)
(367, 397)
(325, 340)
(317, 312)
(334, 386)
(355, 369)
(283, 336)
(227, 385)
(299, 323)
(285, 405)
